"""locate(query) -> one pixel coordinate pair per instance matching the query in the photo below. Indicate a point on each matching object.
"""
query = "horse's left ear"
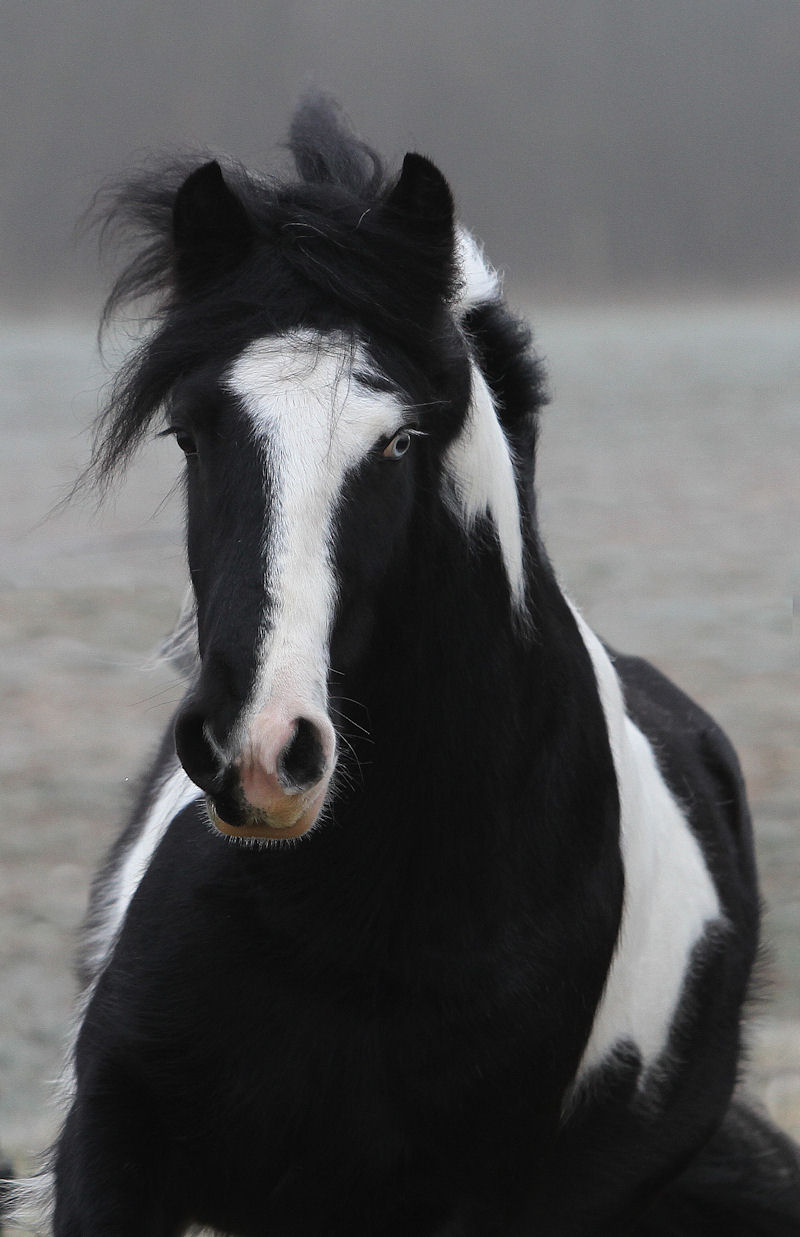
(419, 209)
(211, 229)
(422, 199)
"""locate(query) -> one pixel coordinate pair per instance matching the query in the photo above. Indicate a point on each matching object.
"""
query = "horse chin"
(254, 824)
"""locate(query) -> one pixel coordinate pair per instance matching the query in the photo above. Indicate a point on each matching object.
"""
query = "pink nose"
(286, 763)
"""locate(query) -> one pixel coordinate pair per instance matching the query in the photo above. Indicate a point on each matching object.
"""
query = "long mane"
(324, 256)
(139, 208)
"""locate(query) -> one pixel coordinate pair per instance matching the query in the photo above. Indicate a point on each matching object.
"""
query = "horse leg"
(111, 1168)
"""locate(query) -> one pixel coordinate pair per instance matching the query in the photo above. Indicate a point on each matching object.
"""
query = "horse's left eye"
(397, 446)
(186, 443)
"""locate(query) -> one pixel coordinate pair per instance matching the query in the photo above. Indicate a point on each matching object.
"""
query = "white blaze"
(313, 424)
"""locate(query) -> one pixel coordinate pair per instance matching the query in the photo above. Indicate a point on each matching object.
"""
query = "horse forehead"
(301, 391)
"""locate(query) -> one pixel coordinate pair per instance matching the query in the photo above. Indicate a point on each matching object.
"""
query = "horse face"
(281, 448)
(302, 459)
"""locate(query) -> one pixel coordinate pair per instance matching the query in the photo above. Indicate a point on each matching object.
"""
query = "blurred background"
(596, 145)
(633, 170)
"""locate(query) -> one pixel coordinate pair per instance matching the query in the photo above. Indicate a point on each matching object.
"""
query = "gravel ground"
(668, 476)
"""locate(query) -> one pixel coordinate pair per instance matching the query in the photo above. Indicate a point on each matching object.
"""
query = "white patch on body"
(670, 898)
(479, 466)
(30, 1201)
(175, 793)
(313, 424)
(172, 794)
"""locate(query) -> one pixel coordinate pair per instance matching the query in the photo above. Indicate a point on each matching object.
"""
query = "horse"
(435, 916)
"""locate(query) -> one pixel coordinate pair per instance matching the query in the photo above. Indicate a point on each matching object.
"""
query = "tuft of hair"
(344, 242)
(179, 648)
(27, 1202)
(479, 281)
(134, 214)
(326, 150)
(335, 169)
(517, 376)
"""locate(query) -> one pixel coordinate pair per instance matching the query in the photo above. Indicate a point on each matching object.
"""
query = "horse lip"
(261, 825)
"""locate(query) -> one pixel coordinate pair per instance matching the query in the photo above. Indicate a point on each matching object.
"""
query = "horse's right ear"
(211, 229)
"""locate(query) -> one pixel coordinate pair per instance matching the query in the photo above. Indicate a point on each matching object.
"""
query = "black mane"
(323, 250)
(140, 208)
(327, 151)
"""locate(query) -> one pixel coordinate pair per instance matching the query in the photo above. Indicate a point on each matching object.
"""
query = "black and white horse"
(435, 918)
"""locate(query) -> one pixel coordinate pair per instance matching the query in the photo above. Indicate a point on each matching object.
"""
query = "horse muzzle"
(295, 818)
(277, 785)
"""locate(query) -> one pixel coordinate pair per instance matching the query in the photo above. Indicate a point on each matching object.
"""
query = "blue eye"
(398, 446)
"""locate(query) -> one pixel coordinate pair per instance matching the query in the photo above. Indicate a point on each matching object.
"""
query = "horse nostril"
(198, 759)
(301, 764)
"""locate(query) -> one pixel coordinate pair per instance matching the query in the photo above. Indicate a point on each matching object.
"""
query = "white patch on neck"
(479, 461)
(171, 795)
(479, 467)
(31, 1199)
(670, 898)
(313, 424)
(174, 793)
(479, 281)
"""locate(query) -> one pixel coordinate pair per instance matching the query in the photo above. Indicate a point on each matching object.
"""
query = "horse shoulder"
(700, 764)
(165, 791)
(674, 903)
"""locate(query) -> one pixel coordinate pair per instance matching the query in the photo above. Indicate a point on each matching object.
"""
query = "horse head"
(318, 365)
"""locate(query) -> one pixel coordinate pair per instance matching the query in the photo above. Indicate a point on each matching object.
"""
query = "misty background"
(596, 146)
(632, 168)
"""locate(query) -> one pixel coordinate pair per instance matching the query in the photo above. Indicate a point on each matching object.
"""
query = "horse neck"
(455, 688)
(436, 834)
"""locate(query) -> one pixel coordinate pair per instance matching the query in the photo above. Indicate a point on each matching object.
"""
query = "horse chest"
(243, 1038)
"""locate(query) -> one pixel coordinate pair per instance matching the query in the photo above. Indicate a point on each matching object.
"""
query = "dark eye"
(185, 441)
(397, 446)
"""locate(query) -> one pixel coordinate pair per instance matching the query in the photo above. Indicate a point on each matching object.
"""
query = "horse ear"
(211, 229)
(422, 197)
(420, 207)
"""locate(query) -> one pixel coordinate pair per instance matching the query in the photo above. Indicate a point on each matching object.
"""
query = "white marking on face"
(313, 424)
(670, 898)
(479, 466)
